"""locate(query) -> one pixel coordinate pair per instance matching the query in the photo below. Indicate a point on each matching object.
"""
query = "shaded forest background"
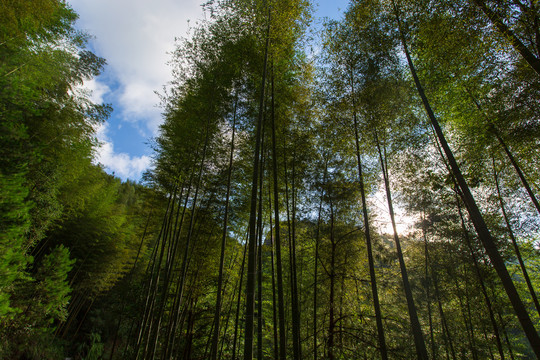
(267, 227)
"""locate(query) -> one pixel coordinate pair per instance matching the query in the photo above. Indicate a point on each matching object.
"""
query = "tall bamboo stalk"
(250, 287)
(217, 314)
(474, 212)
(419, 343)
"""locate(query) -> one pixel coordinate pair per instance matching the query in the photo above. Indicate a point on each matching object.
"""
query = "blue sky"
(136, 38)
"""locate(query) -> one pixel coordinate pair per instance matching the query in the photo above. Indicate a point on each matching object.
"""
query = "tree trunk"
(508, 34)
(371, 263)
(274, 301)
(189, 332)
(482, 284)
(468, 304)
(466, 314)
(421, 351)
(508, 344)
(217, 315)
(175, 310)
(238, 303)
(146, 323)
(428, 293)
(129, 278)
(185, 259)
(446, 331)
(315, 271)
(169, 263)
(250, 287)
(474, 212)
(514, 242)
(508, 153)
(226, 327)
(259, 255)
(297, 353)
(331, 321)
(281, 303)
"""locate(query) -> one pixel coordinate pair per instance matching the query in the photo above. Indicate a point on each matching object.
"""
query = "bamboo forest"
(362, 187)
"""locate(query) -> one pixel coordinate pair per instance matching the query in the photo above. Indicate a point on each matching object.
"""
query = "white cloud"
(97, 90)
(123, 165)
(138, 102)
(135, 36)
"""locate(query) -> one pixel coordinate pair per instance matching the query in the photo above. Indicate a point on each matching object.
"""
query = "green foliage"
(15, 222)
(52, 290)
(94, 350)
(39, 302)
